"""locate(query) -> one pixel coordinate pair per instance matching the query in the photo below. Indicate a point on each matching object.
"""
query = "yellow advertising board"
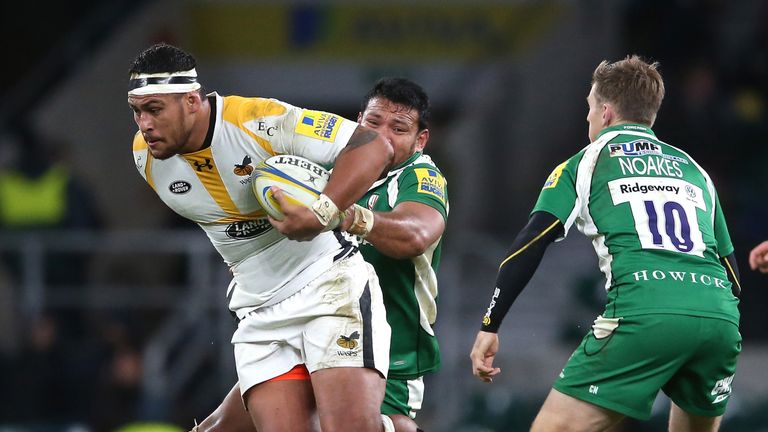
(368, 31)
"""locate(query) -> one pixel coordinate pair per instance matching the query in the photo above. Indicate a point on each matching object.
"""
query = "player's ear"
(192, 101)
(609, 115)
(421, 139)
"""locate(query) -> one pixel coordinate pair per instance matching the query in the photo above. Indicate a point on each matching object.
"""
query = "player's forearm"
(363, 160)
(405, 236)
(517, 269)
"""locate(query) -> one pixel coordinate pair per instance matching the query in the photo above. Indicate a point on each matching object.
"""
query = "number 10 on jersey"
(664, 211)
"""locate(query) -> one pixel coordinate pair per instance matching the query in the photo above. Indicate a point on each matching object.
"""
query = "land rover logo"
(248, 229)
(179, 187)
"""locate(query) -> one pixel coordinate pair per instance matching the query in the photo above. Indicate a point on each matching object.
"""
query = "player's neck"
(197, 137)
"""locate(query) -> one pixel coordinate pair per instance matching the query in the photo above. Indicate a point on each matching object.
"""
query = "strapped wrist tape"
(327, 212)
(362, 224)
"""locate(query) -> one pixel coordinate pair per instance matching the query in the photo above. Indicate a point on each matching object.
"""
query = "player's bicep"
(426, 185)
(421, 217)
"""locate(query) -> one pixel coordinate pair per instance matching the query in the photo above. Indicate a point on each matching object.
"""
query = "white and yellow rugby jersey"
(212, 188)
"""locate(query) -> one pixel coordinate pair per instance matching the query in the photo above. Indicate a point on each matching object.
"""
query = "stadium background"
(112, 311)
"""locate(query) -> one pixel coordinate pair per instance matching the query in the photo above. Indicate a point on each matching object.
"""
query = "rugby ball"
(301, 179)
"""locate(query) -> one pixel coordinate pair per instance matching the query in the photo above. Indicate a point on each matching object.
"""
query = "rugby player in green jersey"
(400, 220)
(654, 218)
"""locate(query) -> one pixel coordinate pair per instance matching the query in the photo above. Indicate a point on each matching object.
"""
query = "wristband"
(362, 224)
(326, 212)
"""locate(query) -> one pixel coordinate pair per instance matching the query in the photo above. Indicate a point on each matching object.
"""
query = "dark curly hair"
(404, 92)
(162, 58)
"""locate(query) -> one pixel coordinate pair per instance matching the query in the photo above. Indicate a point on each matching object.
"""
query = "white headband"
(142, 84)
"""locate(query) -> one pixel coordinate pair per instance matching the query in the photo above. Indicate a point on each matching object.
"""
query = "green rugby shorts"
(623, 363)
(403, 396)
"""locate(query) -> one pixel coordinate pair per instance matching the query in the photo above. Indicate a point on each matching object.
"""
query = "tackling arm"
(405, 232)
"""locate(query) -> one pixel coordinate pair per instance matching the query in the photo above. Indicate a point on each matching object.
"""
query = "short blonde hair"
(634, 87)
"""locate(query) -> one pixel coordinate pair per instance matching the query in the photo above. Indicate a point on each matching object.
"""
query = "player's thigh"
(337, 320)
(681, 421)
(563, 413)
(403, 397)
(702, 385)
(350, 328)
(349, 398)
(285, 405)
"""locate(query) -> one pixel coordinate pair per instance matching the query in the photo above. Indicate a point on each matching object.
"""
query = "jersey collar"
(627, 127)
(407, 161)
(396, 170)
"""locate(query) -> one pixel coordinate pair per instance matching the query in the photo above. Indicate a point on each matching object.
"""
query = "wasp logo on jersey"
(634, 148)
(241, 230)
(555, 176)
(318, 124)
(179, 187)
(348, 342)
(430, 182)
(245, 168)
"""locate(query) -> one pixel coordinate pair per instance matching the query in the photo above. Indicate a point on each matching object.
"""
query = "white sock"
(388, 425)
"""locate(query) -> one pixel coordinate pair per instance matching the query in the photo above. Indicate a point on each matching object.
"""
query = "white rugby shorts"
(337, 320)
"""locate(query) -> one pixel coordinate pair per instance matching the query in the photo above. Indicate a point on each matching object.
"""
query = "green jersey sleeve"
(723, 238)
(558, 195)
(426, 185)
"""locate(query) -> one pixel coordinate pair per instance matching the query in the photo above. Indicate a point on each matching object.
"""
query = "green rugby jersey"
(655, 222)
(409, 285)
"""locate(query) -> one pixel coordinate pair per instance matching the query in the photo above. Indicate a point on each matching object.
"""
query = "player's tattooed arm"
(366, 155)
(361, 136)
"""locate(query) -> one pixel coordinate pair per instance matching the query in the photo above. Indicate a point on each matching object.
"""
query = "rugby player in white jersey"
(402, 219)
(294, 300)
